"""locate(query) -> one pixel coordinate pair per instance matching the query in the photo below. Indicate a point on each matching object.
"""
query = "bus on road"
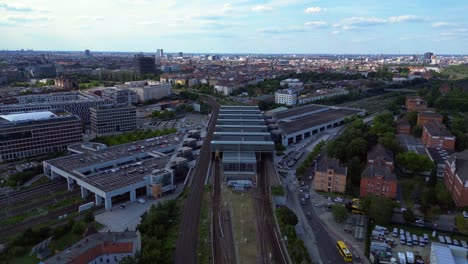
(344, 251)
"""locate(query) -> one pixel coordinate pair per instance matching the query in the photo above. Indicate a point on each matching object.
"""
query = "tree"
(79, 227)
(339, 213)
(408, 215)
(89, 217)
(414, 162)
(416, 131)
(412, 118)
(378, 208)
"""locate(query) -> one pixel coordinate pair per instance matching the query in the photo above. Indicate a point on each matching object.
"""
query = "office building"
(286, 97)
(24, 135)
(330, 176)
(456, 177)
(120, 96)
(112, 119)
(77, 103)
(144, 65)
(155, 91)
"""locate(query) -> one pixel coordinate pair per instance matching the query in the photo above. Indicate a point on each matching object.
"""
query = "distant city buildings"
(29, 134)
(113, 119)
(290, 83)
(144, 65)
(330, 176)
(66, 83)
(153, 91)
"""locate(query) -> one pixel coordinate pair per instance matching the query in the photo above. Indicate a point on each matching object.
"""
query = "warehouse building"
(295, 124)
(29, 134)
(112, 119)
(118, 173)
(77, 103)
(240, 135)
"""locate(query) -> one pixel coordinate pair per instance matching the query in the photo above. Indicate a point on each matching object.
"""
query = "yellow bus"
(344, 251)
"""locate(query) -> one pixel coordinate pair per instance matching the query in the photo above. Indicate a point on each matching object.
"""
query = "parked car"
(441, 239)
(141, 200)
(338, 199)
(465, 214)
(395, 232)
(455, 243)
(464, 244)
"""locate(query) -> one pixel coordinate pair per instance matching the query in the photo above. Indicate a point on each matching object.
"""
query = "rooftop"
(436, 129)
(379, 152)
(297, 111)
(98, 244)
(325, 163)
(448, 254)
(460, 160)
(378, 169)
(439, 155)
(316, 119)
(29, 116)
(116, 167)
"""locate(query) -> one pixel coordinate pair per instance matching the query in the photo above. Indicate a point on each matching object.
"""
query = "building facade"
(403, 127)
(120, 96)
(378, 178)
(114, 119)
(77, 103)
(436, 135)
(426, 117)
(153, 92)
(24, 135)
(144, 65)
(286, 97)
(456, 177)
(415, 103)
(330, 176)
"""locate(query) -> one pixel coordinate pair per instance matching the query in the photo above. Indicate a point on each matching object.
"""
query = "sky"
(237, 26)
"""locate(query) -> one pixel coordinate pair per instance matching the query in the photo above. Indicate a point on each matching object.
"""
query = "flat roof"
(119, 166)
(298, 111)
(28, 116)
(316, 120)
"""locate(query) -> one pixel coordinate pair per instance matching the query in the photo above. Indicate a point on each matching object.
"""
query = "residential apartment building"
(120, 96)
(436, 135)
(114, 119)
(415, 103)
(286, 97)
(427, 116)
(155, 91)
(77, 103)
(321, 94)
(403, 127)
(24, 135)
(101, 247)
(456, 177)
(378, 177)
(330, 176)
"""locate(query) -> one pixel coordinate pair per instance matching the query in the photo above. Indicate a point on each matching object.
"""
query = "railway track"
(186, 244)
(17, 197)
(270, 248)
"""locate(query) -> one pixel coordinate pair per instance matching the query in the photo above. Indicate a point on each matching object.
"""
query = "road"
(186, 245)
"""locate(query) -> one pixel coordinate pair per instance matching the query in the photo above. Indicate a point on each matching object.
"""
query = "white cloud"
(405, 18)
(335, 32)
(316, 24)
(443, 24)
(262, 8)
(90, 18)
(147, 22)
(22, 19)
(314, 10)
(227, 7)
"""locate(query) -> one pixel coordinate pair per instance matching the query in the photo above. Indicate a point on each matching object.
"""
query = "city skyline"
(242, 26)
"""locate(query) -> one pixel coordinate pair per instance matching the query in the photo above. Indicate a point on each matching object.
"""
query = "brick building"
(415, 103)
(426, 117)
(456, 177)
(436, 135)
(378, 177)
(403, 127)
(330, 176)
(444, 89)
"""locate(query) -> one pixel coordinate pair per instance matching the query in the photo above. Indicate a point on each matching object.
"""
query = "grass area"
(462, 224)
(243, 217)
(204, 245)
(25, 259)
(41, 181)
(133, 136)
(17, 218)
(373, 104)
(277, 190)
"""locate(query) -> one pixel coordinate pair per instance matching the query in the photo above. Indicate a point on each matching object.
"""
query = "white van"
(463, 244)
(426, 238)
(455, 243)
(395, 232)
(448, 240)
(401, 258)
(381, 228)
(441, 239)
(409, 257)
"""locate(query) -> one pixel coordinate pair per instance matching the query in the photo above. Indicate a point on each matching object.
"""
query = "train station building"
(118, 173)
(295, 124)
(240, 134)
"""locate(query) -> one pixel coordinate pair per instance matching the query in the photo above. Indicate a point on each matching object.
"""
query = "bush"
(79, 228)
(339, 213)
(89, 217)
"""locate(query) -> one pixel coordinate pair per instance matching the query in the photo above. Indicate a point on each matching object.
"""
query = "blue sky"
(237, 26)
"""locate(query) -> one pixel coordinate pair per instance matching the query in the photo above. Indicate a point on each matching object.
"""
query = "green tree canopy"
(414, 162)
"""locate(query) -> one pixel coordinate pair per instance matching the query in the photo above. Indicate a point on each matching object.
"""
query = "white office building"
(153, 92)
(286, 97)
